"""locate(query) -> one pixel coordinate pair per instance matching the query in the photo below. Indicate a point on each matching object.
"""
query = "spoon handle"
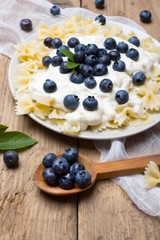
(124, 167)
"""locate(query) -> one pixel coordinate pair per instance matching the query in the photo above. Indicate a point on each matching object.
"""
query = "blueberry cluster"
(65, 171)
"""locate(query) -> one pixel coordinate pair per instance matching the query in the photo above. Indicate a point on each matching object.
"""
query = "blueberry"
(119, 66)
(48, 159)
(105, 59)
(63, 68)
(110, 43)
(55, 10)
(56, 61)
(133, 54)
(139, 78)
(72, 42)
(79, 56)
(46, 61)
(77, 78)
(66, 181)
(48, 42)
(121, 96)
(60, 165)
(11, 158)
(49, 176)
(145, 16)
(79, 47)
(71, 155)
(106, 85)
(122, 47)
(86, 70)
(99, 69)
(101, 52)
(114, 55)
(59, 53)
(76, 167)
(26, 24)
(135, 41)
(71, 101)
(99, 3)
(101, 19)
(56, 43)
(90, 82)
(91, 49)
(90, 103)
(83, 179)
(49, 86)
(91, 60)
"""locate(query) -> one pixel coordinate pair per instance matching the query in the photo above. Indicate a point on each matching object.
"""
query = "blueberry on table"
(26, 24)
(90, 82)
(72, 42)
(48, 42)
(86, 70)
(48, 159)
(99, 3)
(46, 61)
(133, 54)
(135, 41)
(79, 47)
(122, 47)
(77, 78)
(91, 49)
(145, 16)
(90, 103)
(55, 10)
(59, 53)
(106, 85)
(49, 176)
(63, 68)
(71, 155)
(139, 78)
(100, 69)
(121, 96)
(105, 59)
(66, 181)
(119, 66)
(83, 179)
(110, 43)
(71, 101)
(60, 165)
(49, 86)
(91, 60)
(101, 52)
(11, 158)
(56, 61)
(101, 19)
(114, 55)
(79, 57)
(76, 167)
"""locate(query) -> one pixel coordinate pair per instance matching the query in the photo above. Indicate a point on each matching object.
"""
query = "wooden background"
(103, 213)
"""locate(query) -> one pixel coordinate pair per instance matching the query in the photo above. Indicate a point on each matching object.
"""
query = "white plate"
(88, 134)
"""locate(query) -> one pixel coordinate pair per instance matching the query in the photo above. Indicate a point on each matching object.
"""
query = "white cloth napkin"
(11, 12)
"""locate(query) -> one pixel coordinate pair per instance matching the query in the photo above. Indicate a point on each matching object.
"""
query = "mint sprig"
(70, 64)
(14, 139)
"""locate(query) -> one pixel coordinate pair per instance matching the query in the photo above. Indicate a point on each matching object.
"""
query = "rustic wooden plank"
(26, 212)
(106, 211)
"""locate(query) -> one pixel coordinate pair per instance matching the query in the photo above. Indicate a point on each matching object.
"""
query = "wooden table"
(102, 213)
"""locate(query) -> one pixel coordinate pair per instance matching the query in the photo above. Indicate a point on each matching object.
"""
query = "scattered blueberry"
(121, 96)
(101, 19)
(91, 60)
(99, 3)
(106, 85)
(135, 41)
(114, 55)
(66, 181)
(132, 53)
(79, 47)
(145, 16)
(49, 176)
(91, 49)
(77, 78)
(11, 158)
(48, 159)
(76, 167)
(71, 155)
(90, 103)
(105, 59)
(72, 42)
(48, 42)
(122, 47)
(56, 42)
(139, 78)
(99, 69)
(79, 56)
(49, 86)
(46, 61)
(101, 52)
(90, 82)
(55, 10)
(110, 43)
(60, 165)
(86, 70)
(83, 179)
(56, 61)
(63, 68)
(119, 66)
(71, 101)
(26, 24)
(59, 53)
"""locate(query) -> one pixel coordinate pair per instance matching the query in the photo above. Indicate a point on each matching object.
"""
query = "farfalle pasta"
(110, 112)
(152, 175)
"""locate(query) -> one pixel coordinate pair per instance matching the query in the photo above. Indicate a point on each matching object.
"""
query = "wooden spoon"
(98, 171)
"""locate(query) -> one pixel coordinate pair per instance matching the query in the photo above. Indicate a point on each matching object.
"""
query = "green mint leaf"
(3, 128)
(68, 54)
(14, 140)
(71, 65)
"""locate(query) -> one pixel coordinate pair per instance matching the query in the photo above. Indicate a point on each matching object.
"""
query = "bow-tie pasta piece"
(152, 175)
(22, 79)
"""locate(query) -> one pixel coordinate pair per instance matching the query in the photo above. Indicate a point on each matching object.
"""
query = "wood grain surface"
(102, 213)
